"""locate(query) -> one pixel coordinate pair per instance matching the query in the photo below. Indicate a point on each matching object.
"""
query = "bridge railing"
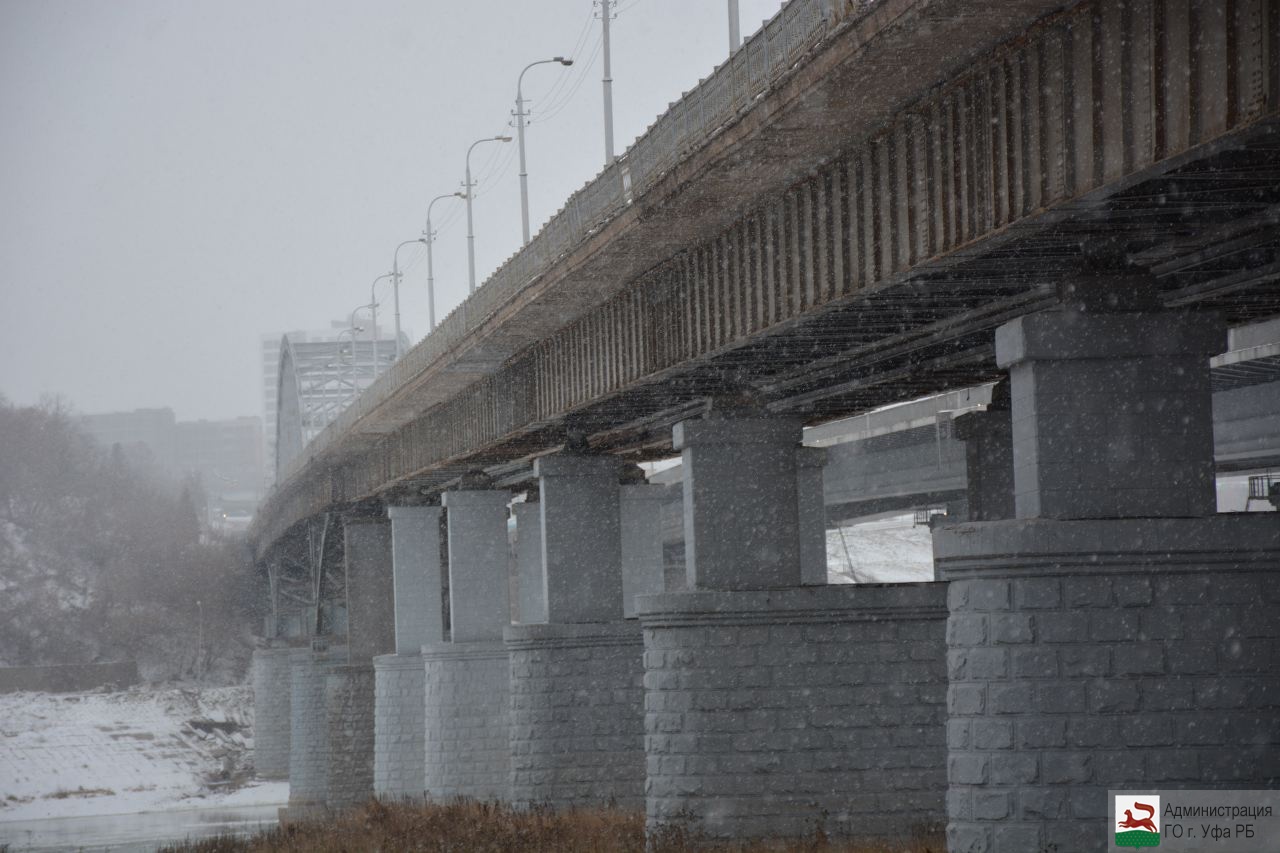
(731, 88)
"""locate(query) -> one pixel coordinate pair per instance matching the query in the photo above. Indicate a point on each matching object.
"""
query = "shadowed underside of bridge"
(855, 236)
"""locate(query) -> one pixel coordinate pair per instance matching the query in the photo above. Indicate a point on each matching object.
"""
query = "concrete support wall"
(811, 515)
(640, 506)
(399, 721)
(1087, 655)
(1112, 413)
(581, 537)
(348, 702)
(478, 587)
(532, 596)
(272, 701)
(399, 679)
(309, 738)
(741, 509)
(774, 712)
(465, 722)
(577, 718)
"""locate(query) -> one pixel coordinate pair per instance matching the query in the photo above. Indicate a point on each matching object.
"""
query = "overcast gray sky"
(178, 178)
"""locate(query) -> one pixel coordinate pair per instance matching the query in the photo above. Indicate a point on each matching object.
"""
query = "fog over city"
(178, 179)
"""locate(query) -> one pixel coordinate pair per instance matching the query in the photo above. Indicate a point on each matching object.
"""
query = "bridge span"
(870, 202)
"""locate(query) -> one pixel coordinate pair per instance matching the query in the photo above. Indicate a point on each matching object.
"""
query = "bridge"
(868, 203)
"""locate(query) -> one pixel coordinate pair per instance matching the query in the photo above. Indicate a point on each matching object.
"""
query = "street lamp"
(524, 175)
(471, 234)
(373, 303)
(353, 328)
(395, 284)
(429, 237)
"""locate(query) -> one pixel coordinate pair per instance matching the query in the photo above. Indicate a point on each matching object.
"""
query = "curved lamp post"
(395, 279)
(429, 237)
(524, 175)
(373, 303)
(471, 234)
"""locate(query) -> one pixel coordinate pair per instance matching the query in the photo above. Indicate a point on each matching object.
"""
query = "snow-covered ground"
(144, 749)
(886, 550)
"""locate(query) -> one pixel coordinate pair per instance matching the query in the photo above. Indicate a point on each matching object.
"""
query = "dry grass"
(471, 827)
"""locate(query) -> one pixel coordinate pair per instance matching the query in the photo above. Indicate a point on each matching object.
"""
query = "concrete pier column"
(309, 737)
(1116, 634)
(577, 736)
(532, 603)
(776, 703)
(465, 731)
(640, 508)
(811, 515)
(348, 698)
(400, 679)
(741, 504)
(988, 456)
(272, 701)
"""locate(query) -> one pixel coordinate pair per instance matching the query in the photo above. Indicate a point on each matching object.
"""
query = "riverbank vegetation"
(474, 827)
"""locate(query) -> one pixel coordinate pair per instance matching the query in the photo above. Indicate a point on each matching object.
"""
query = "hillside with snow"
(144, 749)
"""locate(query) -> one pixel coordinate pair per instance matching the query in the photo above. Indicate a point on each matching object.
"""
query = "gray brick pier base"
(774, 712)
(577, 714)
(272, 693)
(465, 725)
(309, 738)
(399, 691)
(1093, 654)
(348, 699)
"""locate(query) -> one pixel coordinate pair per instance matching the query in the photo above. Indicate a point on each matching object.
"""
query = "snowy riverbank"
(141, 750)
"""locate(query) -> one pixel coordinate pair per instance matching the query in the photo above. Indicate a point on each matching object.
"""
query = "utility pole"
(608, 86)
(735, 34)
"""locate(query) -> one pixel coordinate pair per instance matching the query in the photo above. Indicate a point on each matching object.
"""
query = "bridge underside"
(1111, 137)
(1209, 230)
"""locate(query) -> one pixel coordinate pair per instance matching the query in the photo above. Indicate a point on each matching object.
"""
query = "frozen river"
(133, 833)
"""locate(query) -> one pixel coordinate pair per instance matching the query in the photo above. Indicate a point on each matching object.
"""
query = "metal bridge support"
(774, 707)
(400, 678)
(349, 684)
(577, 734)
(465, 732)
(1115, 634)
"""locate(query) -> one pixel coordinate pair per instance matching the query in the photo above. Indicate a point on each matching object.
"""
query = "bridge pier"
(349, 684)
(773, 707)
(1116, 634)
(467, 678)
(272, 666)
(400, 678)
(577, 733)
(309, 728)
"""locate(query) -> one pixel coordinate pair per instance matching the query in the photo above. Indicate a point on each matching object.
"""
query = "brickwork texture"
(399, 726)
(309, 741)
(272, 700)
(577, 718)
(348, 703)
(466, 745)
(1073, 670)
(776, 712)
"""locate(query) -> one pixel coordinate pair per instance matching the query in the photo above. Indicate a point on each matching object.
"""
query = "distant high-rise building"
(226, 455)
